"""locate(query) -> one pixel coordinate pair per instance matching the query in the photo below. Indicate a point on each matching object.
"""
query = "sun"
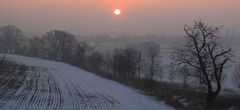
(117, 12)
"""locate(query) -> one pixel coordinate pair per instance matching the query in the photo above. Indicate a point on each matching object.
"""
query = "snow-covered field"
(58, 86)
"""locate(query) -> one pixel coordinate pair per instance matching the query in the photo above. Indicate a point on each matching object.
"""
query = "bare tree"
(184, 72)
(179, 71)
(35, 46)
(107, 62)
(133, 60)
(2, 62)
(117, 62)
(153, 63)
(59, 45)
(172, 73)
(11, 39)
(80, 55)
(125, 63)
(236, 76)
(95, 61)
(2, 46)
(139, 62)
(205, 56)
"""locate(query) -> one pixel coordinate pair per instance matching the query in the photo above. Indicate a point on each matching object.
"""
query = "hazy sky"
(96, 16)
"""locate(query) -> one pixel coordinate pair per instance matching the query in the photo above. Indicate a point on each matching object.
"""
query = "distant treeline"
(124, 63)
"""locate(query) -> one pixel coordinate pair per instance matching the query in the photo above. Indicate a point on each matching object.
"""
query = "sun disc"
(117, 11)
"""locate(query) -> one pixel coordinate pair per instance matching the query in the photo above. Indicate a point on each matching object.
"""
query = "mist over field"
(119, 55)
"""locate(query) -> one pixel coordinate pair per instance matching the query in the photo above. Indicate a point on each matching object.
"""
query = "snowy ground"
(59, 86)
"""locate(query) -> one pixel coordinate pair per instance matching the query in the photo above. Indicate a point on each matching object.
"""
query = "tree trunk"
(209, 99)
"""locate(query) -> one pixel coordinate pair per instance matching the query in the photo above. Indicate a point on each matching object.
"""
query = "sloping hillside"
(59, 86)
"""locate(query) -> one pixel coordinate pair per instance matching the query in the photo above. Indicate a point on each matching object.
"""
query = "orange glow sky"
(95, 16)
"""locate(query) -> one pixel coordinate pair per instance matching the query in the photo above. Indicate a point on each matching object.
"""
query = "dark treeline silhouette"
(125, 64)
(201, 57)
